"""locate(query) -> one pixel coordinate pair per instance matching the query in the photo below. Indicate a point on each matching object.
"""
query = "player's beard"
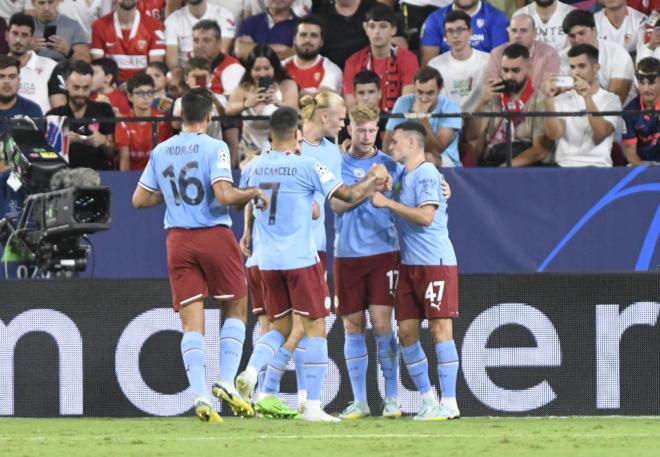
(78, 102)
(513, 87)
(467, 7)
(545, 3)
(5, 99)
(306, 54)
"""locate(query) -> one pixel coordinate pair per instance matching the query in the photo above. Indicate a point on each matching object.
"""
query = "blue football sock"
(299, 359)
(232, 336)
(275, 371)
(316, 366)
(447, 367)
(357, 360)
(388, 357)
(265, 349)
(192, 350)
(418, 366)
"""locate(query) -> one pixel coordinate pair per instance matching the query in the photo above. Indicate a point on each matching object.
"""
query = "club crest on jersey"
(141, 44)
(359, 173)
(317, 76)
(480, 22)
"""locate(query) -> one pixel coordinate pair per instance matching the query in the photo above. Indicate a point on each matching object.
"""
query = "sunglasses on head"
(648, 78)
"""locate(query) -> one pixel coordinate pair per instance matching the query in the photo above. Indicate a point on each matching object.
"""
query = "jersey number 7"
(274, 188)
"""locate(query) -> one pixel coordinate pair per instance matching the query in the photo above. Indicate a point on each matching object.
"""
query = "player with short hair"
(366, 268)
(191, 173)
(428, 275)
(288, 259)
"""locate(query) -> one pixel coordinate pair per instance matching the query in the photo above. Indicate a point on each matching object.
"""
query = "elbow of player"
(426, 221)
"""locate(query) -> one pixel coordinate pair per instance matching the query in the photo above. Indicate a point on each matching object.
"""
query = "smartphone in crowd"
(265, 82)
(49, 31)
(564, 82)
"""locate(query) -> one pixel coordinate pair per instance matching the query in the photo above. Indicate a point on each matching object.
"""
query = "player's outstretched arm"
(421, 215)
(228, 195)
(143, 198)
(377, 178)
(245, 243)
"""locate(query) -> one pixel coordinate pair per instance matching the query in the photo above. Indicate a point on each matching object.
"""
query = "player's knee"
(353, 323)
(442, 330)
(381, 326)
(407, 336)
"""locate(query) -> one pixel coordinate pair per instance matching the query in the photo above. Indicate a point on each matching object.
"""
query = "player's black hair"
(586, 49)
(160, 66)
(578, 18)
(381, 13)
(196, 63)
(366, 77)
(263, 50)
(9, 61)
(108, 65)
(196, 105)
(81, 67)
(20, 20)
(312, 20)
(458, 15)
(283, 123)
(516, 50)
(649, 65)
(208, 24)
(415, 128)
(137, 80)
(427, 73)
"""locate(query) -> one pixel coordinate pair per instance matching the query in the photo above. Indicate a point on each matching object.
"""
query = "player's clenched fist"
(261, 200)
(379, 171)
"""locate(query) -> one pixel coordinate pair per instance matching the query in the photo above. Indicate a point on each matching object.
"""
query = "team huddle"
(392, 253)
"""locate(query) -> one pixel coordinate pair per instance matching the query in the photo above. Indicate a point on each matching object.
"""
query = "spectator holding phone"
(583, 140)
(512, 91)
(162, 98)
(58, 36)
(265, 86)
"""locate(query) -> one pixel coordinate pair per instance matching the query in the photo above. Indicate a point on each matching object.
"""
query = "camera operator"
(514, 92)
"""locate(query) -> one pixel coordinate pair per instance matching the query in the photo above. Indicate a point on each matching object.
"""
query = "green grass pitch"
(186, 436)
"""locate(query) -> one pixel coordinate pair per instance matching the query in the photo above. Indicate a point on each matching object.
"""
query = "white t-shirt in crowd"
(235, 6)
(179, 24)
(630, 32)
(34, 80)
(576, 147)
(301, 8)
(463, 80)
(436, 3)
(644, 51)
(615, 63)
(549, 32)
(11, 7)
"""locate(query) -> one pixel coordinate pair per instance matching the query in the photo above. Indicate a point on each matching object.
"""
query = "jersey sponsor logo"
(324, 173)
(327, 303)
(126, 62)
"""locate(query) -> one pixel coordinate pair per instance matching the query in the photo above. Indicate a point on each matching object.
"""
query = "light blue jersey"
(184, 169)
(284, 228)
(366, 230)
(253, 259)
(329, 155)
(424, 245)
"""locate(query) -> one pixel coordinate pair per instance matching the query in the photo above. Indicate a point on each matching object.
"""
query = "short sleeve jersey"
(424, 245)
(366, 230)
(284, 228)
(184, 169)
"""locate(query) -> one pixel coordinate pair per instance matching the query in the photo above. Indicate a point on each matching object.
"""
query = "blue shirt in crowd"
(184, 169)
(643, 130)
(263, 30)
(24, 107)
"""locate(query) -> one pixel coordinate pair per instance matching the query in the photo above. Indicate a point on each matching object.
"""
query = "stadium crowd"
(136, 58)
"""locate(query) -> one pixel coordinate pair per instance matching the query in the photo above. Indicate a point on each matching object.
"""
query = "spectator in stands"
(9, 8)
(366, 89)
(544, 59)
(616, 72)
(441, 132)
(301, 8)
(135, 140)
(265, 86)
(85, 12)
(275, 27)
(488, 28)
(90, 144)
(414, 14)
(162, 99)
(138, 40)
(236, 7)
(38, 81)
(226, 71)
(179, 24)
(462, 68)
(396, 66)
(641, 132)
(104, 86)
(582, 140)
(69, 41)
(650, 47)
(620, 24)
(512, 91)
(344, 28)
(548, 17)
(312, 71)
(12, 104)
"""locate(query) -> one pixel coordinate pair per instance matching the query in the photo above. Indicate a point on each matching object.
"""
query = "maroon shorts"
(323, 258)
(427, 291)
(302, 290)
(364, 281)
(203, 262)
(256, 288)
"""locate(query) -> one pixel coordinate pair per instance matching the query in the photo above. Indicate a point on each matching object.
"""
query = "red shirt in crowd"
(138, 137)
(152, 8)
